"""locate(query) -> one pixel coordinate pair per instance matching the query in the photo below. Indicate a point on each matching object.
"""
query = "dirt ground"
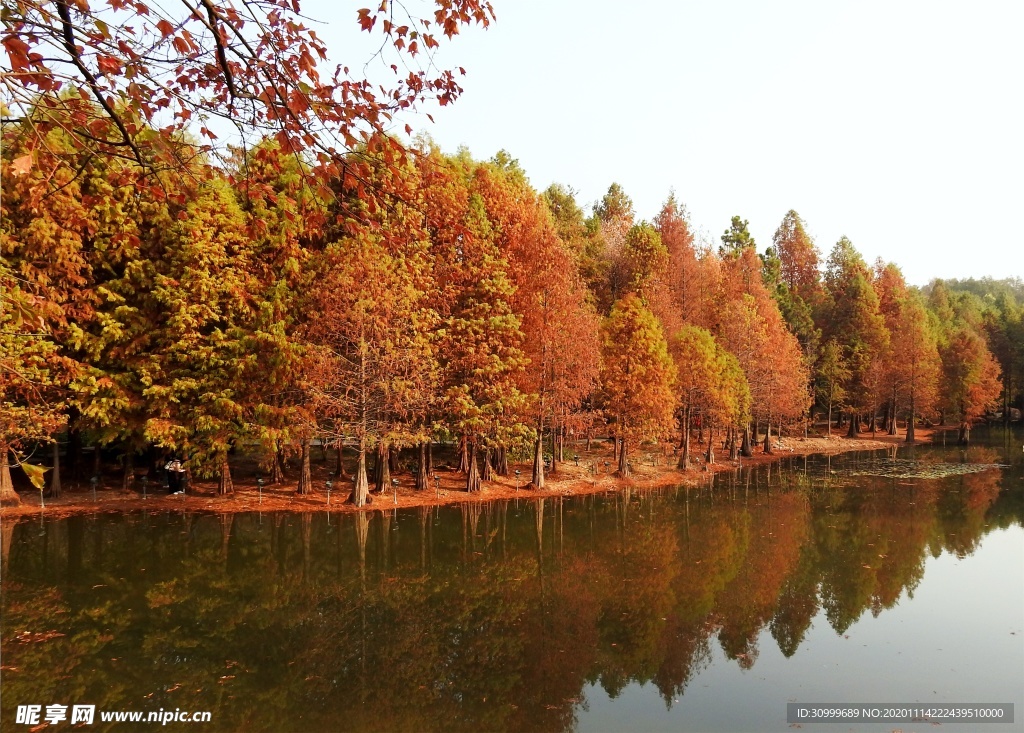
(652, 468)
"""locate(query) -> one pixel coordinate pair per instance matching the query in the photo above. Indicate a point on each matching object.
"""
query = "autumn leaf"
(108, 64)
(22, 164)
(35, 474)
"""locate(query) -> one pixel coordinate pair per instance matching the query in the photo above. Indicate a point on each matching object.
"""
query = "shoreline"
(570, 480)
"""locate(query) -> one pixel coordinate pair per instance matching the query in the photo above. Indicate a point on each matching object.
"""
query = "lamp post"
(259, 483)
(517, 479)
(145, 482)
(328, 484)
(394, 485)
(94, 482)
(576, 457)
(437, 486)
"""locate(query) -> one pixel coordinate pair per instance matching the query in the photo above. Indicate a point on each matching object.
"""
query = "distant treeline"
(421, 296)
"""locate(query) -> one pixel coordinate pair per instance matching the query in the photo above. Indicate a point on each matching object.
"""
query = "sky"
(897, 124)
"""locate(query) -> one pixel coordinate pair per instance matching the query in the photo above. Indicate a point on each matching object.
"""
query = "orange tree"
(637, 374)
(560, 328)
(478, 338)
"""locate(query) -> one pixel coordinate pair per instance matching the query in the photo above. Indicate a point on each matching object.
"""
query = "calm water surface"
(703, 610)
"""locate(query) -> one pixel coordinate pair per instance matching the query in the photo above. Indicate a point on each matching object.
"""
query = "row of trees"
(432, 295)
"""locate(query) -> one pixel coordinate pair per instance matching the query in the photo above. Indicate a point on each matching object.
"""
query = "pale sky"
(898, 124)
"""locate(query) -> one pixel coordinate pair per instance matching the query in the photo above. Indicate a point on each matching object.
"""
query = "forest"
(159, 299)
(225, 309)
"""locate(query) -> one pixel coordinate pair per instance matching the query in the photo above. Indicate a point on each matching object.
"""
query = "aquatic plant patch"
(903, 468)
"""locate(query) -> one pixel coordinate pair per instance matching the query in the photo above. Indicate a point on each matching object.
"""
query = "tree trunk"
(75, 459)
(225, 485)
(8, 496)
(339, 472)
(394, 454)
(277, 467)
(422, 477)
(153, 463)
(590, 436)
(684, 441)
(463, 454)
(768, 438)
(554, 448)
(97, 462)
(360, 495)
(746, 449)
(910, 421)
(383, 468)
(964, 437)
(55, 488)
(430, 457)
(305, 480)
(734, 445)
(128, 477)
(623, 471)
(473, 476)
(501, 461)
(891, 427)
(854, 420)
(538, 463)
(488, 468)
(710, 456)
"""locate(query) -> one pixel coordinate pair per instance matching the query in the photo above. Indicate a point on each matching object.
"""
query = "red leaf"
(17, 52)
(108, 64)
(165, 27)
(365, 21)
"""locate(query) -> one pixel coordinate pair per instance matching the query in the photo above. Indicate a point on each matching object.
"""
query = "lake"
(876, 577)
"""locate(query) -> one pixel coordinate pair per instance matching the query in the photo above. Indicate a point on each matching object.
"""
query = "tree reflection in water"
(472, 617)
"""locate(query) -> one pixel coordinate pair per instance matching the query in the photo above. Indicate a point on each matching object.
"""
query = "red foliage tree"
(126, 79)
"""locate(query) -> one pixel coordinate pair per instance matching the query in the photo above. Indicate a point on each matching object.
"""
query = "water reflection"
(473, 617)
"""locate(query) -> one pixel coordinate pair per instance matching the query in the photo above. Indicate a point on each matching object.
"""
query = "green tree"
(199, 293)
(736, 238)
(644, 260)
(851, 317)
(831, 377)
